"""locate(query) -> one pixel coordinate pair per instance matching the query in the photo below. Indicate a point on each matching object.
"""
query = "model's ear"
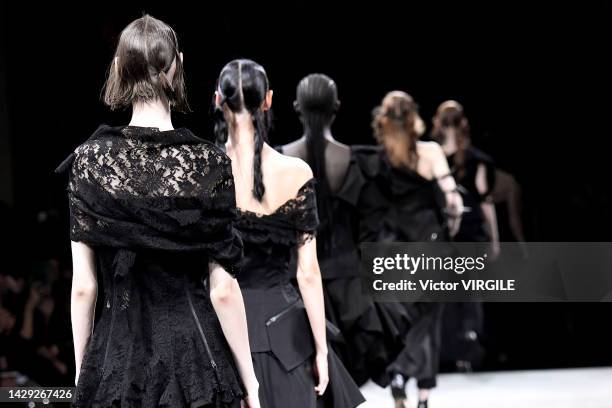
(217, 99)
(268, 101)
(337, 106)
(296, 106)
(181, 57)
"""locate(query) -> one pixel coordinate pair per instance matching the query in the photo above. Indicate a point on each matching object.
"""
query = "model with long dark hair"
(151, 214)
(277, 210)
(411, 197)
(361, 345)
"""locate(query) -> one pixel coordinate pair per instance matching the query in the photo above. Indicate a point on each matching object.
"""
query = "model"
(151, 215)
(277, 208)
(361, 345)
(411, 197)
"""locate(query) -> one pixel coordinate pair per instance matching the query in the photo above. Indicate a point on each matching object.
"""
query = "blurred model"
(475, 174)
(339, 186)
(411, 197)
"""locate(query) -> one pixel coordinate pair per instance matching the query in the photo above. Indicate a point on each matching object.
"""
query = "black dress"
(463, 321)
(279, 331)
(472, 227)
(155, 206)
(403, 206)
(360, 343)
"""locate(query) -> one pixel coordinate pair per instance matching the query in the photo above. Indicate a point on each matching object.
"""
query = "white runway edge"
(567, 388)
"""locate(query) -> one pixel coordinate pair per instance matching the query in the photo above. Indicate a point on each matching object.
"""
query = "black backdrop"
(531, 78)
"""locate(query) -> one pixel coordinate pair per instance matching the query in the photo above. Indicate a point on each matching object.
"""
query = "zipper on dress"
(110, 303)
(199, 326)
(279, 315)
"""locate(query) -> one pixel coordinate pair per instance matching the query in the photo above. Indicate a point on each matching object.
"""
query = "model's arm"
(454, 202)
(27, 327)
(488, 209)
(311, 288)
(83, 299)
(227, 301)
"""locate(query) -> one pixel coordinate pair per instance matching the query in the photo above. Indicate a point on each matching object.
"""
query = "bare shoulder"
(296, 170)
(429, 147)
(290, 173)
(431, 151)
(293, 145)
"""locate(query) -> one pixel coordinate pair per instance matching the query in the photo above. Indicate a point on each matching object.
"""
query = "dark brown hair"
(145, 53)
(450, 114)
(398, 117)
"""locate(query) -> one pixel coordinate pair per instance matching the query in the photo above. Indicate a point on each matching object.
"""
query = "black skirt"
(420, 357)
(283, 352)
(362, 343)
(280, 388)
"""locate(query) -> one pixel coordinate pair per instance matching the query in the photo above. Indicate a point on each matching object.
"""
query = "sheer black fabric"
(139, 187)
(156, 207)
(279, 332)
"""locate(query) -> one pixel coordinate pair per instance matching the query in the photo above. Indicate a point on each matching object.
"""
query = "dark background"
(533, 81)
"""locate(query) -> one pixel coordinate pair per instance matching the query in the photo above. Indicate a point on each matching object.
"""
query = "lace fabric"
(294, 223)
(144, 188)
(155, 206)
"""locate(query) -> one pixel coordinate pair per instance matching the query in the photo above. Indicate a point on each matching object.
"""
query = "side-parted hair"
(146, 50)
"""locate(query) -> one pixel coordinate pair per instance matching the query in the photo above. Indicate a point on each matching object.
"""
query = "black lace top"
(155, 206)
(268, 243)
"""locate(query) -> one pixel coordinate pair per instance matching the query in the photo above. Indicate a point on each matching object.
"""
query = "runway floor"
(569, 388)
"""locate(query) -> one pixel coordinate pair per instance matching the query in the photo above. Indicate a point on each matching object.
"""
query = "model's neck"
(327, 134)
(449, 147)
(398, 149)
(241, 137)
(152, 114)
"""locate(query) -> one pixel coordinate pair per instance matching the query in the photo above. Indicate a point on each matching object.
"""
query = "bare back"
(432, 162)
(337, 159)
(283, 176)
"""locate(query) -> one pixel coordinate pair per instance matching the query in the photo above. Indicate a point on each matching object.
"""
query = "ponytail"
(243, 85)
(260, 137)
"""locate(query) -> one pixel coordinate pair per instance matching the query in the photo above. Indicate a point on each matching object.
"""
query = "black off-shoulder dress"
(155, 206)
(279, 331)
(361, 343)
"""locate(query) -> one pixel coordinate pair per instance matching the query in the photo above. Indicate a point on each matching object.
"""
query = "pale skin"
(225, 293)
(282, 177)
(431, 165)
(337, 156)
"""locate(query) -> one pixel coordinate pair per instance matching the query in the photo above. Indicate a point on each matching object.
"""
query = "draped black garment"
(156, 207)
